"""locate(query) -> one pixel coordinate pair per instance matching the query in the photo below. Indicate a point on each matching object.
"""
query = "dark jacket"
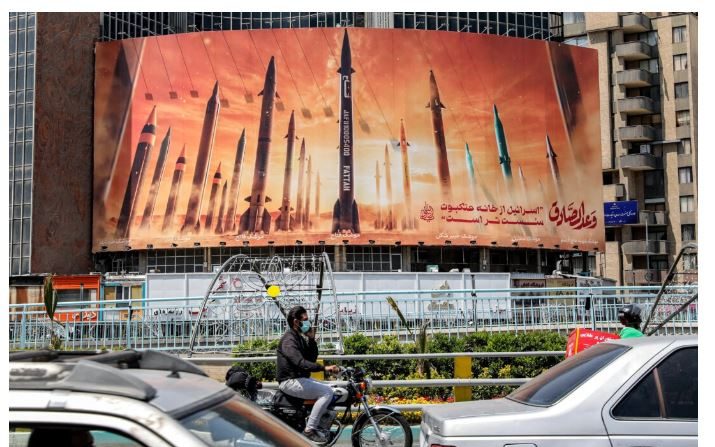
(296, 357)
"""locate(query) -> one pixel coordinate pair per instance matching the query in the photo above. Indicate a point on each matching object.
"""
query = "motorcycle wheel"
(395, 429)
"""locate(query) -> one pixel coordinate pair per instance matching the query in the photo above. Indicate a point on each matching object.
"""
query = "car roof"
(181, 393)
(167, 382)
(658, 340)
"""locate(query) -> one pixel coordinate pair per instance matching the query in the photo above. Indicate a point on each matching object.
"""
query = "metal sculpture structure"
(248, 292)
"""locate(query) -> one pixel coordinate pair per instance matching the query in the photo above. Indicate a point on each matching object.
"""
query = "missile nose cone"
(272, 65)
(183, 152)
(494, 109)
(168, 132)
(243, 134)
(291, 123)
(215, 92)
(346, 41)
(152, 117)
(218, 170)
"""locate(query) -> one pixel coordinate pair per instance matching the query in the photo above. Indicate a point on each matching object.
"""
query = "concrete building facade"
(648, 73)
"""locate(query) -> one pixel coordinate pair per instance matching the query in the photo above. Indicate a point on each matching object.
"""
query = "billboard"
(620, 213)
(346, 136)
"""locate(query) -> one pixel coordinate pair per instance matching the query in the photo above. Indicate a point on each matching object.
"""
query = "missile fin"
(356, 218)
(243, 223)
(439, 103)
(266, 224)
(336, 217)
(277, 95)
(268, 199)
(260, 93)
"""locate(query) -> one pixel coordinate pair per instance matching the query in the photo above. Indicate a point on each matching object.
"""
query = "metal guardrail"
(165, 323)
(435, 355)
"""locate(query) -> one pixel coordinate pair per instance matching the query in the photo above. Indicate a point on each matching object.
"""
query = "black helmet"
(630, 315)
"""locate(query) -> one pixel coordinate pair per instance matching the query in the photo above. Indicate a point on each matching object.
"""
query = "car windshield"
(552, 385)
(237, 422)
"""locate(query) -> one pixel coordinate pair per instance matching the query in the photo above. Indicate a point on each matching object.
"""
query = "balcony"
(635, 23)
(645, 248)
(638, 105)
(640, 132)
(635, 78)
(643, 276)
(613, 193)
(638, 162)
(651, 218)
(634, 51)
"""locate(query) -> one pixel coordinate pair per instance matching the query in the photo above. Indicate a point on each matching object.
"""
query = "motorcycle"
(375, 425)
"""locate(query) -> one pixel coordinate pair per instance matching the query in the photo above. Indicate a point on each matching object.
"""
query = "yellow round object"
(273, 291)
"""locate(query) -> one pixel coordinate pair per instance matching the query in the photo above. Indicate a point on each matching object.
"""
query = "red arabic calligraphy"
(575, 217)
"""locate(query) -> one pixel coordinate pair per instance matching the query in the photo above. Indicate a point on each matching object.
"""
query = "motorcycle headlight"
(368, 385)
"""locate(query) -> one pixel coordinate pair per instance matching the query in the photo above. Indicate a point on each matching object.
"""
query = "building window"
(574, 17)
(680, 34)
(685, 175)
(687, 232)
(690, 261)
(654, 184)
(680, 62)
(687, 204)
(682, 118)
(684, 147)
(681, 90)
(579, 41)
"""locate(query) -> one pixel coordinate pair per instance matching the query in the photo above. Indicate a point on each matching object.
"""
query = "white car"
(620, 393)
(131, 399)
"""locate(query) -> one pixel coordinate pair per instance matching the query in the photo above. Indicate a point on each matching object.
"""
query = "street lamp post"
(648, 213)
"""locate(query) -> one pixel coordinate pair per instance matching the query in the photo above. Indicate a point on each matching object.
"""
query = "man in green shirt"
(630, 317)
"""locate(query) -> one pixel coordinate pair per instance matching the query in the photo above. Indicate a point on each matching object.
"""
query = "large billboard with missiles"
(346, 136)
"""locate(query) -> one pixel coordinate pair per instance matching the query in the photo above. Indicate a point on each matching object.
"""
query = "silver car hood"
(501, 417)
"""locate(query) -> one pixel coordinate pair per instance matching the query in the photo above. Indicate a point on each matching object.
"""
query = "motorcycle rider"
(296, 359)
(630, 317)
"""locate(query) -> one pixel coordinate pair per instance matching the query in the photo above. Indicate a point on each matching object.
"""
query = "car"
(631, 392)
(131, 398)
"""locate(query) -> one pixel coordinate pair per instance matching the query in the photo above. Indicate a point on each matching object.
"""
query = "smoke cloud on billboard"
(358, 135)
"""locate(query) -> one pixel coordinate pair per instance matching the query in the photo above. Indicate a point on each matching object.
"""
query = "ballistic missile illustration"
(306, 215)
(389, 215)
(230, 219)
(156, 180)
(345, 211)
(378, 220)
(212, 198)
(553, 164)
(174, 191)
(317, 197)
(146, 142)
(301, 171)
(220, 220)
(409, 222)
(255, 219)
(284, 221)
(440, 144)
(502, 147)
(192, 222)
(470, 171)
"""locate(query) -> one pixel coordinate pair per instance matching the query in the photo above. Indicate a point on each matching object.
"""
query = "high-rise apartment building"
(648, 65)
